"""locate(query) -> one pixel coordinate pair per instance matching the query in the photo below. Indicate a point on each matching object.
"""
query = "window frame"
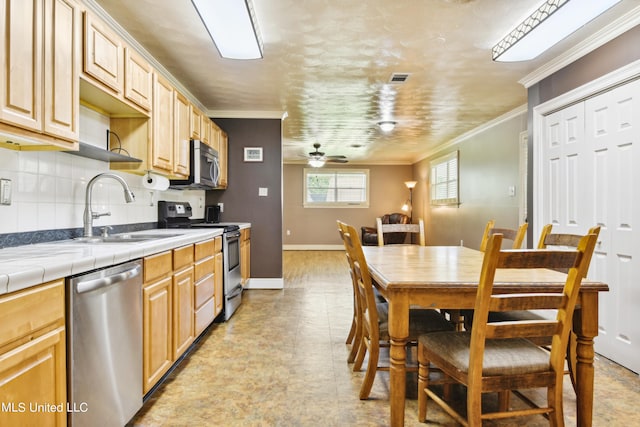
(448, 160)
(336, 204)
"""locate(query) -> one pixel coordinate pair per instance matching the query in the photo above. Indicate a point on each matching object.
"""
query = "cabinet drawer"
(204, 249)
(245, 234)
(29, 310)
(182, 257)
(204, 267)
(204, 290)
(157, 265)
(204, 316)
(218, 243)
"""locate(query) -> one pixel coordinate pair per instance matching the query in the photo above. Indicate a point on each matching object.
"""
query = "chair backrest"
(400, 228)
(517, 236)
(366, 296)
(562, 240)
(576, 261)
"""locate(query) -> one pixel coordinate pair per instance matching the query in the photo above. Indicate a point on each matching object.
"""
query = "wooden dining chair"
(355, 332)
(401, 228)
(515, 235)
(498, 356)
(375, 331)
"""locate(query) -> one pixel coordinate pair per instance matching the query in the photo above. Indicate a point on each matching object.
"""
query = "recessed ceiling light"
(386, 125)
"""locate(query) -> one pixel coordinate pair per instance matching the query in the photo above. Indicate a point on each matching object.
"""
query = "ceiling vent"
(399, 77)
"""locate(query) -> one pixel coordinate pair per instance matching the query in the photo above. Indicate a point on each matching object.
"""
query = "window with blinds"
(444, 180)
(336, 188)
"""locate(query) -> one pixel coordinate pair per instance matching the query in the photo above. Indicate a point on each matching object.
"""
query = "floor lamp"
(408, 206)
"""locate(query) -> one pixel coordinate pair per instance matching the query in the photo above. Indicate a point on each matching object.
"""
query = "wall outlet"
(5, 191)
(221, 205)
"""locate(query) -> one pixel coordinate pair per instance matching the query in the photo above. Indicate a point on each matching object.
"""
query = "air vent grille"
(399, 77)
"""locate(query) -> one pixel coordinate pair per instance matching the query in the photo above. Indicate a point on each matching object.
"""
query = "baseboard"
(258, 283)
(313, 247)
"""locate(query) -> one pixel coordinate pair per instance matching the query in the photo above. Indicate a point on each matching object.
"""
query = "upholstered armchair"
(370, 234)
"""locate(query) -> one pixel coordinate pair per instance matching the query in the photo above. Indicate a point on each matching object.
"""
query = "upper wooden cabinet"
(196, 123)
(205, 129)
(182, 122)
(39, 87)
(138, 82)
(103, 54)
(219, 141)
(162, 146)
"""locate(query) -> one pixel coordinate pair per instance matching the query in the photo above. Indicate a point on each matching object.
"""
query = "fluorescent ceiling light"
(551, 22)
(232, 27)
(387, 125)
(316, 163)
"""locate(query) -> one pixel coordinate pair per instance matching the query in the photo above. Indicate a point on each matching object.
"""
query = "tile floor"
(281, 361)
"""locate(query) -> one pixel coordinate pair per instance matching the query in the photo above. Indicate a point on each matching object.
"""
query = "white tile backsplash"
(49, 192)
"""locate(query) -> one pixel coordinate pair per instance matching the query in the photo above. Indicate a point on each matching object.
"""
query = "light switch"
(512, 190)
(5, 191)
(263, 191)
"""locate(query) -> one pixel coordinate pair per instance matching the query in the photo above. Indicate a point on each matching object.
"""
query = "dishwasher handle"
(102, 282)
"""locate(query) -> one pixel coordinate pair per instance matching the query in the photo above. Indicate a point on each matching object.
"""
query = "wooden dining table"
(446, 277)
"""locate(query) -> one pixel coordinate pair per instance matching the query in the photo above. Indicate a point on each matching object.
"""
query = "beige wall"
(317, 226)
(488, 165)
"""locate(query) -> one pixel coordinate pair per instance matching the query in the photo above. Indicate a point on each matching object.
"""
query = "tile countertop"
(29, 265)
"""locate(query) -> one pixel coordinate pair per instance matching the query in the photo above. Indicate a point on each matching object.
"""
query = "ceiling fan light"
(316, 163)
(386, 125)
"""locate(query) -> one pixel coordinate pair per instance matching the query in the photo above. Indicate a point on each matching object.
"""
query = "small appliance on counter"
(177, 215)
(212, 214)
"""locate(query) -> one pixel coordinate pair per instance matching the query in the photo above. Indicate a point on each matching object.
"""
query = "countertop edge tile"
(78, 258)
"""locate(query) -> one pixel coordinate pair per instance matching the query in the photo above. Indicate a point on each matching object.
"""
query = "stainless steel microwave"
(204, 171)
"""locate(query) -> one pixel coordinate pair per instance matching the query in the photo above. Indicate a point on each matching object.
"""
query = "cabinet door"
(196, 123)
(222, 156)
(157, 331)
(181, 140)
(103, 54)
(218, 285)
(183, 318)
(162, 146)
(61, 68)
(138, 82)
(21, 59)
(34, 373)
(245, 255)
(205, 129)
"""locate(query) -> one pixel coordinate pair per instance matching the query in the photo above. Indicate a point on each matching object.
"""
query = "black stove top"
(177, 215)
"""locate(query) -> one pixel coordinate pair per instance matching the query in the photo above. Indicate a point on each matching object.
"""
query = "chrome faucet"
(89, 215)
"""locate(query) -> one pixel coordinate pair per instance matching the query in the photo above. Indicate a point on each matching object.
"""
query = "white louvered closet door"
(591, 176)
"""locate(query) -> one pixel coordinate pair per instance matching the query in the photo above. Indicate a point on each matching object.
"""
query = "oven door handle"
(235, 292)
(232, 235)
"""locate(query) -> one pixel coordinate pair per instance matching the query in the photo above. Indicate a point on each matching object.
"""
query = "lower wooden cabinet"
(33, 357)
(167, 295)
(245, 255)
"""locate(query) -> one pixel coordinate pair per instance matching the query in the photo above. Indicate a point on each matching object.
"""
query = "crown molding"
(591, 43)
(249, 114)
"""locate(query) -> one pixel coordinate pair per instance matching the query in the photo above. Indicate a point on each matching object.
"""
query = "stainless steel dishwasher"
(104, 345)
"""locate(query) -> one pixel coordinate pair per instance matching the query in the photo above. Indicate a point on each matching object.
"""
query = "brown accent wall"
(241, 200)
(317, 226)
(488, 165)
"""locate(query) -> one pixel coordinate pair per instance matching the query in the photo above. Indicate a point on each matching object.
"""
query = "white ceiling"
(327, 64)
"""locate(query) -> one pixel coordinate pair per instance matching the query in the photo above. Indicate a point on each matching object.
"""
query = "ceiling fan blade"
(330, 160)
(336, 157)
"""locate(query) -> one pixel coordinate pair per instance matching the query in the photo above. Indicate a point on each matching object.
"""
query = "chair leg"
(503, 400)
(372, 368)
(359, 359)
(352, 331)
(554, 401)
(356, 343)
(423, 383)
(474, 406)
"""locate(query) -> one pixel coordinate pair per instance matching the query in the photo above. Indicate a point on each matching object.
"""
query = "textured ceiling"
(327, 64)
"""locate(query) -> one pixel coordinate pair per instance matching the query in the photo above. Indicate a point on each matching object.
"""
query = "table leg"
(586, 328)
(398, 333)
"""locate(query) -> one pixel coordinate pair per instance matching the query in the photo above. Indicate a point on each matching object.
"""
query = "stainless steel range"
(178, 215)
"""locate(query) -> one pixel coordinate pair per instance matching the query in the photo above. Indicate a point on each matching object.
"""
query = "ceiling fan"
(317, 158)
